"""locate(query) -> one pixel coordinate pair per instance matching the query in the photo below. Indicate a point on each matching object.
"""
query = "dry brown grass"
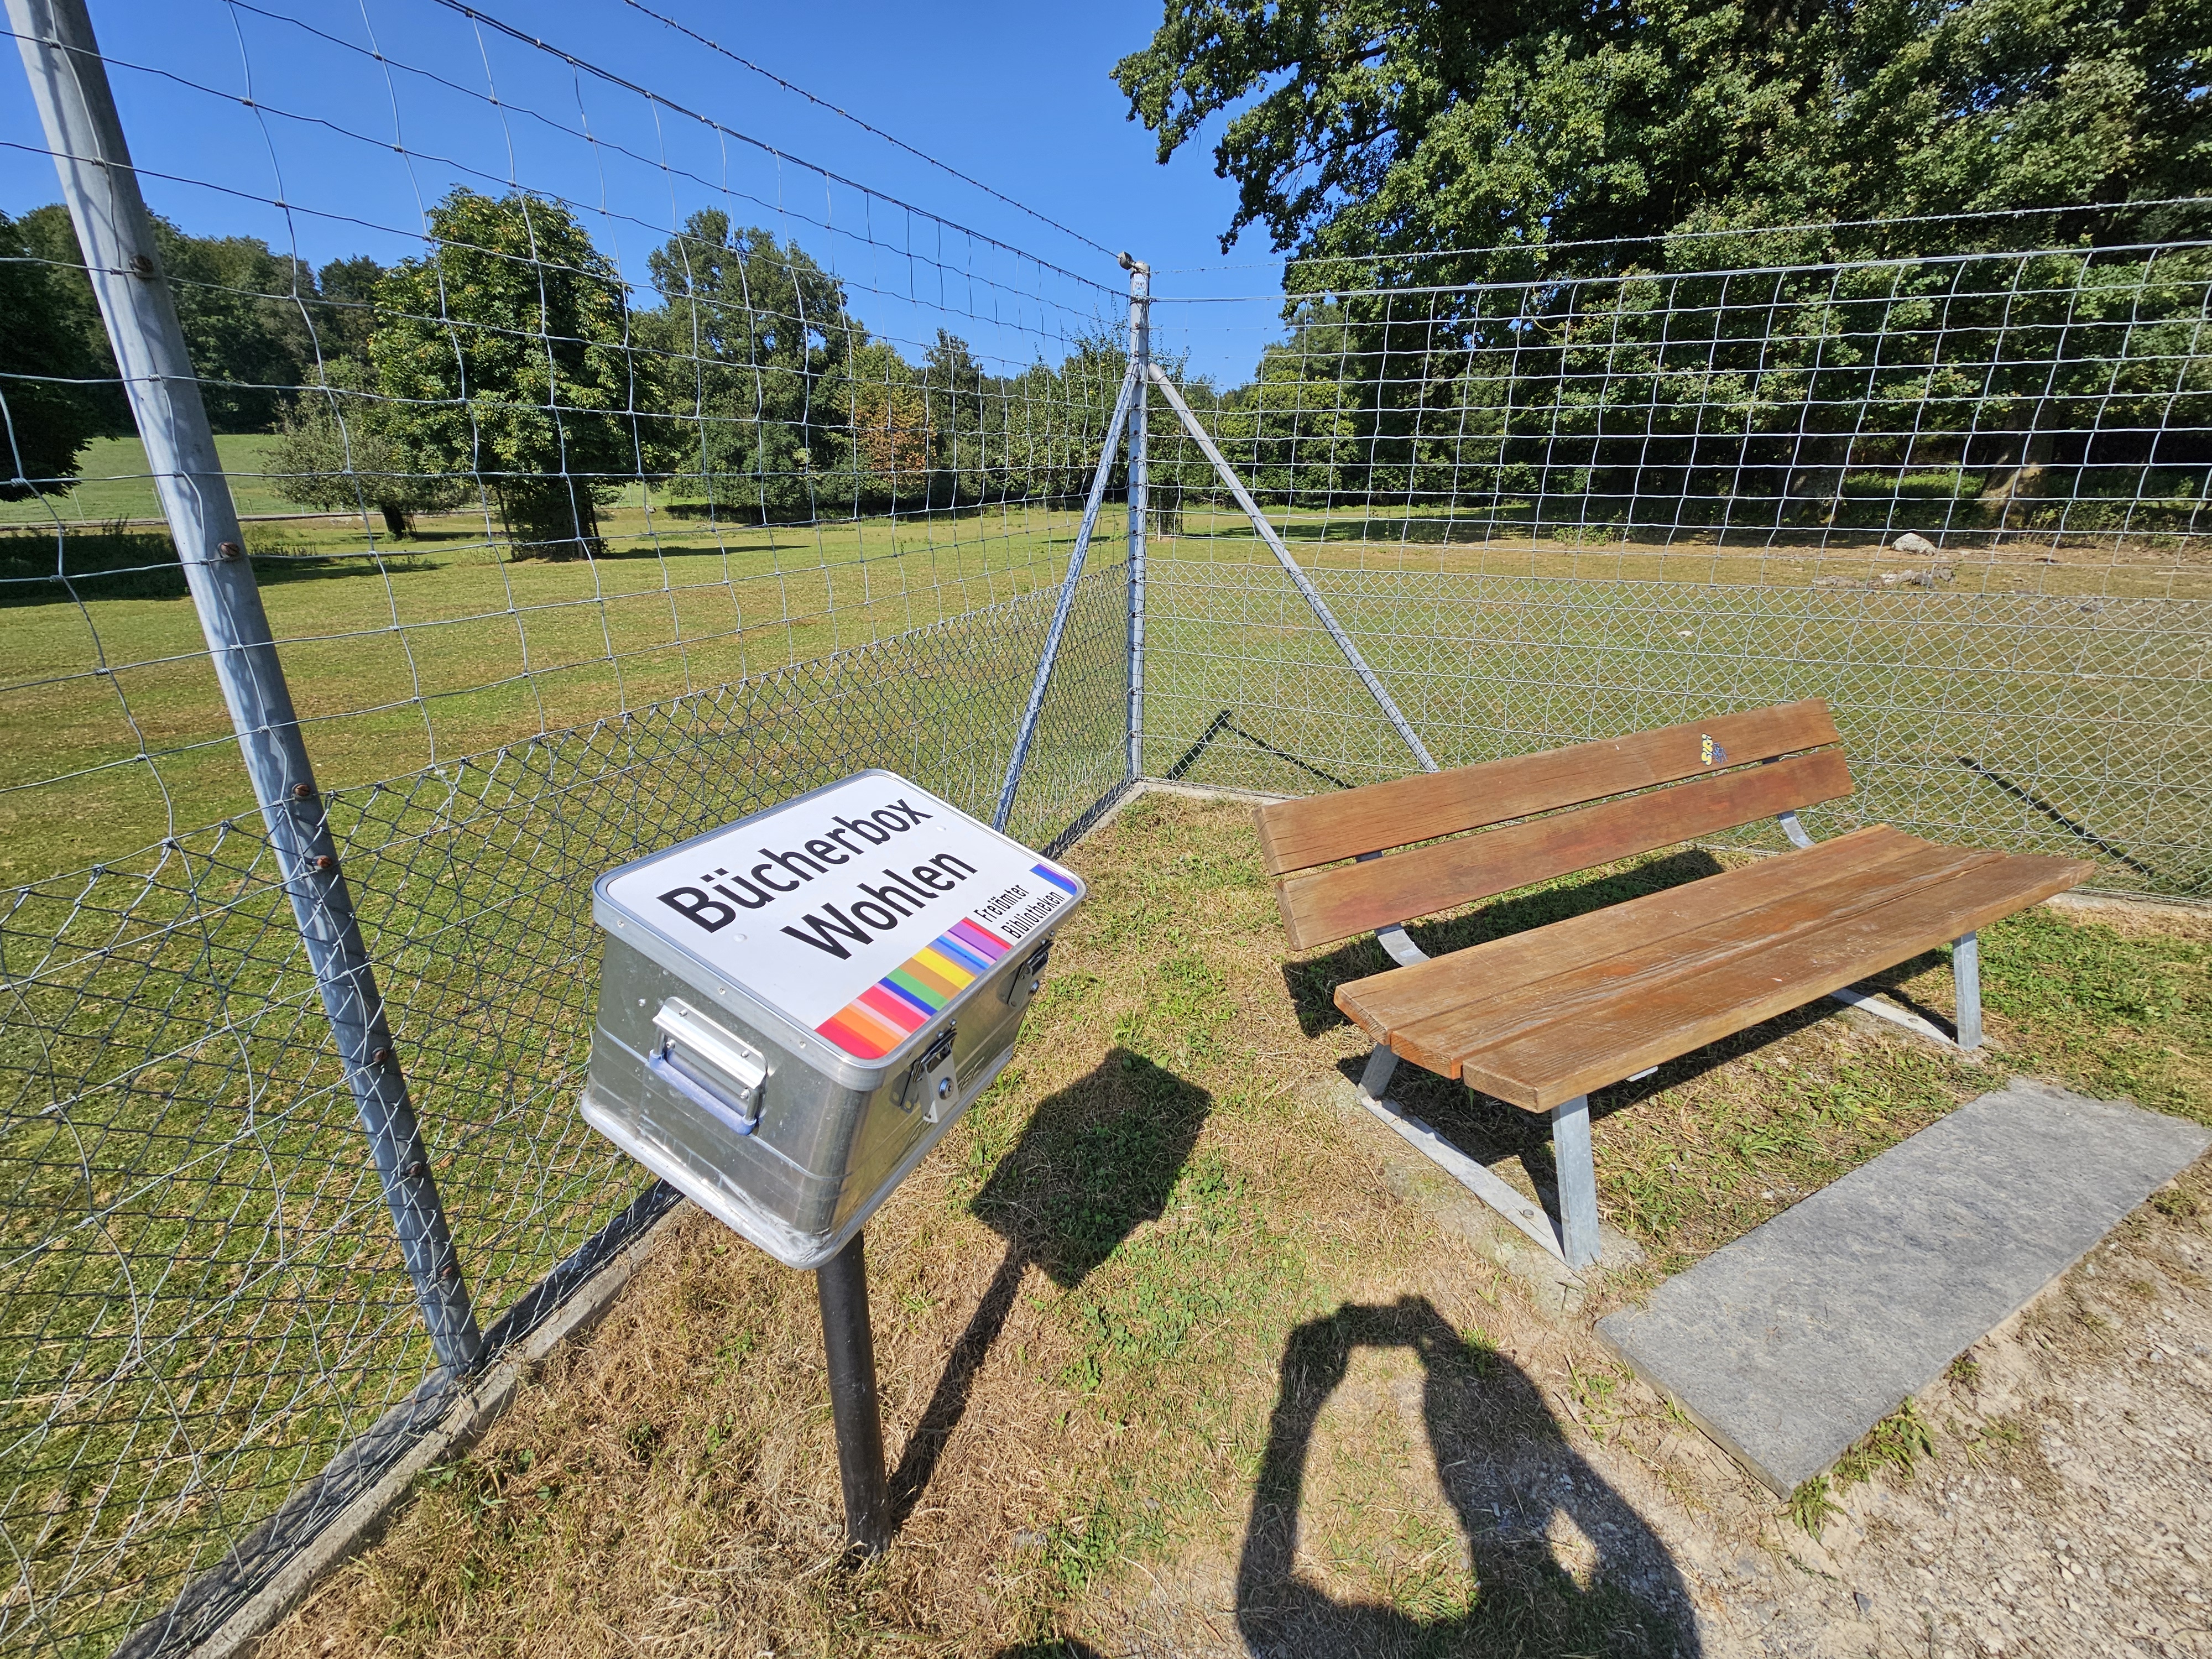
(1166, 1366)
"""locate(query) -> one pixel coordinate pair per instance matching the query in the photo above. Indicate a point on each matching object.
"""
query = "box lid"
(861, 912)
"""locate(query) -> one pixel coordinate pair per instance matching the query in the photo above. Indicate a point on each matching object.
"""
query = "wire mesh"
(1961, 494)
(609, 474)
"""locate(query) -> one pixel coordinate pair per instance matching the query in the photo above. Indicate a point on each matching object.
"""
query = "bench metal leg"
(1570, 1154)
(1375, 1081)
(1967, 977)
(1475, 1176)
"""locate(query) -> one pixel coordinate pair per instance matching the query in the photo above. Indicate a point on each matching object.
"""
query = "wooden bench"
(1543, 1017)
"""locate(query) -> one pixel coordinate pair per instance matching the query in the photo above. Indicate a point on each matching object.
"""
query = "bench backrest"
(1528, 837)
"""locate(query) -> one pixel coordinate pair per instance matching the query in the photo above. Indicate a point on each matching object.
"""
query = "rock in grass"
(1918, 546)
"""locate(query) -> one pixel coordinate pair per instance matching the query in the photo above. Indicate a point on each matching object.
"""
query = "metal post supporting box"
(794, 1008)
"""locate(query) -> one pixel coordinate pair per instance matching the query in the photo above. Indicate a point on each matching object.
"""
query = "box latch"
(930, 1083)
(708, 1066)
(1022, 984)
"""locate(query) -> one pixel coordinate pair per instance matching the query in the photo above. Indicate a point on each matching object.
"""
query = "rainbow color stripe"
(911, 994)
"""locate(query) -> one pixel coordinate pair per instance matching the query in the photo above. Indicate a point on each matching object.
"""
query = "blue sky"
(1017, 96)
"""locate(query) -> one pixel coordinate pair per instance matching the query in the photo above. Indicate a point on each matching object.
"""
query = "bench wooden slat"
(1298, 835)
(1448, 1042)
(1400, 998)
(1547, 1067)
(1326, 905)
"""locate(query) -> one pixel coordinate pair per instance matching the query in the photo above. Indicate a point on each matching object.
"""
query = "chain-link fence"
(1959, 490)
(607, 473)
(617, 475)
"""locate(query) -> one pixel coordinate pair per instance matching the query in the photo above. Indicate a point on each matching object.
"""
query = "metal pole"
(1304, 585)
(69, 82)
(841, 1284)
(1140, 361)
(1051, 651)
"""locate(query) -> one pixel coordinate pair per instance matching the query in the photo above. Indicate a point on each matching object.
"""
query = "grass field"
(2063, 708)
(437, 648)
(2077, 688)
(113, 484)
(181, 1147)
(200, 1301)
(1164, 1361)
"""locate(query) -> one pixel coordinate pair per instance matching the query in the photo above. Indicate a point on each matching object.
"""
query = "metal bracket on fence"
(1051, 653)
(1291, 566)
(69, 82)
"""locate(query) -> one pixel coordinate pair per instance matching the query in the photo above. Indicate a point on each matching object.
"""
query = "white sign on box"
(859, 911)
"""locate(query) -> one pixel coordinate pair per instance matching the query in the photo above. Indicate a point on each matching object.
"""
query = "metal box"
(796, 1007)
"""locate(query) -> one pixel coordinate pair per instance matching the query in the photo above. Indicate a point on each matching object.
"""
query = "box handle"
(708, 1066)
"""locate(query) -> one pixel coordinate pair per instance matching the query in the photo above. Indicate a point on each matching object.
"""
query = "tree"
(74, 322)
(243, 310)
(505, 353)
(1510, 215)
(345, 316)
(749, 334)
(888, 409)
(336, 451)
(1367, 127)
(46, 416)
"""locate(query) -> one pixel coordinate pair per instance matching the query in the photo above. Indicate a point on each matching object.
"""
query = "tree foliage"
(339, 450)
(505, 353)
(750, 331)
(47, 415)
(779, 404)
(1366, 127)
(1533, 266)
(1804, 395)
(255, 322)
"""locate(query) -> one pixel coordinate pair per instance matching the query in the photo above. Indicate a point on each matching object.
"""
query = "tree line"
(510, 364)
(2007, 389)
(1502, 216)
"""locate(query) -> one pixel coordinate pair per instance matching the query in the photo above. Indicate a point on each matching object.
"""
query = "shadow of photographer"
(1512, 1484)
(1520, 1498)
(1098, 1158)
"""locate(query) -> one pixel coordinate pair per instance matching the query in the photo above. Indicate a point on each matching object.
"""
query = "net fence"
(608, 474)
(1959, 490)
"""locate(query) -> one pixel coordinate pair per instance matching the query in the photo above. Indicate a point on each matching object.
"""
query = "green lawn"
(184, 1162)
(113, 484)
(1108, 1307)
(2063, 708)
(2075, 688)
(438, 646)
(200, 1301)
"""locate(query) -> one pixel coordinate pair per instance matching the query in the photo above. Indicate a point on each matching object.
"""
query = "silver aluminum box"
(794, 1008)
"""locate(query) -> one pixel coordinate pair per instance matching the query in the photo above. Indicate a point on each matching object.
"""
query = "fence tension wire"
(1298, 575)
(69, 82)
(1022, 738)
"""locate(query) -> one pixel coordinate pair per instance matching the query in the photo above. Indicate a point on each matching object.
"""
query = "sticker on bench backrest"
(1711, 752)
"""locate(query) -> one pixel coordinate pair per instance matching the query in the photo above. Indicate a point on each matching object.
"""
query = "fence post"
(1140, 360)
(1034, 709)
(69, 83)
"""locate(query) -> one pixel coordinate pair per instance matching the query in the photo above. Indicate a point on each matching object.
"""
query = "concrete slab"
(1790, 1344)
